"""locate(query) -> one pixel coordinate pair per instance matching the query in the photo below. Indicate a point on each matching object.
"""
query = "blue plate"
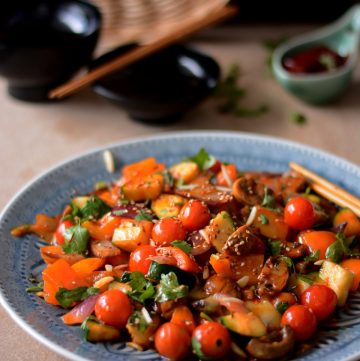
(51, 191)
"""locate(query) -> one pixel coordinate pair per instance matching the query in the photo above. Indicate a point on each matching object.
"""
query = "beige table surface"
(34, 137)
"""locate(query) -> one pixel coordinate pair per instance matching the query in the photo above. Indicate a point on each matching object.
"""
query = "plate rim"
(51, 345)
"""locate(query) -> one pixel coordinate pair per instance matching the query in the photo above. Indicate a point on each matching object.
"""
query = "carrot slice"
(60, 275)
(88, 265)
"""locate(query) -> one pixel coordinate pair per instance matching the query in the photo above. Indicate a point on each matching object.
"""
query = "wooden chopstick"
(138, 53)
(328, 189)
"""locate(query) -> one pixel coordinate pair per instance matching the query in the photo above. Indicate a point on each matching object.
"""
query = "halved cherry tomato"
(104, 228)
(167, 230)
(230, 170)
(299, 213)
(212, 340)
(59, 233)
(182, 260)
(182, 316)
(353, 265)
(139, 259)
(113, 308)
(302, 321)
(321, 300)
(194, 215)
(317, 241)
(172, 341)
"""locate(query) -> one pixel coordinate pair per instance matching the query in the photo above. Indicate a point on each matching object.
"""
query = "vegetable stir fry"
(199, 260)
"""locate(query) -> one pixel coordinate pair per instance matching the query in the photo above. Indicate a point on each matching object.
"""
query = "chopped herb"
(327, 61)
(94, 208)
(84, 325)
(205, 316)
(119, 212)
(270, 46)
(312, 257)
(67, 297)
(289, 262)
(282, 307)
(305, 278)
(298, 118)
(275, 247)
(101, 185)
(137, 319)
(168, 178)
(269, 199)
(38, 288)
(76, 239)
(184, 246)
(169, 288)
(230, 94)
(124, 201)
(142, 289)
(337, 250)
(203, 159)
(180, 182)
(143, 216)
(263, 219)
(196, 346)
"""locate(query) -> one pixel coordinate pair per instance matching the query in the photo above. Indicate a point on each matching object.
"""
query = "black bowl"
(162, 86)
(43, 43)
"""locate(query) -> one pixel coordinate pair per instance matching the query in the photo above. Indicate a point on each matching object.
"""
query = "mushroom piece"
(273, 277)
(103, 248)
(247, 191)
(272, 346)
(221, 284)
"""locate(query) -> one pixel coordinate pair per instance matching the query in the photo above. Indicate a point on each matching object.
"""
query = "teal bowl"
(342, 36)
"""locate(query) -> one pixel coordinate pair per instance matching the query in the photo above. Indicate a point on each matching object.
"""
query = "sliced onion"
(80, 312)
(252, 216)
(146, 315)
(223, 189)
(226, 175)
(188, 186)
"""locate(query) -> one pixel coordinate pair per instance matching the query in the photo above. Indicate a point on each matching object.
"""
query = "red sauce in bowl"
(319, 59)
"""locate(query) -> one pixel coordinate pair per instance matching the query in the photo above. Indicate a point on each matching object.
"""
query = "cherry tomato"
(167, 230)
(59, 233)
(182, 316)
(299, 213)
(212, 340)
(113, 308)
(317, 241)
(302, 321)
(194, 215)
(139, 259)
(321, 300)
(172, 341)
(353, 265)
(222, 180)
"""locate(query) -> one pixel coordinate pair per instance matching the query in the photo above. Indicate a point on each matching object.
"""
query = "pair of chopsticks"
(140, 52)
(328, 190)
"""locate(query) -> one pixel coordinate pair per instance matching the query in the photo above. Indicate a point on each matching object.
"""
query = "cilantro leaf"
(38, 288)
(66, 297)
(94, 208)
(169, 288)
(298, 118)
(275, 247)
(76, 239)
(137, 319)
(269, 199)
(120, 212)
(263, 219)
(203, 159)
(282, 307)
(289, 262)
(168, 178)
(327, 61)
(313, 257)
(143, 216)
(337, 250)
(305, 278)
(196, 346)
(184, 246)
(142, 289)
